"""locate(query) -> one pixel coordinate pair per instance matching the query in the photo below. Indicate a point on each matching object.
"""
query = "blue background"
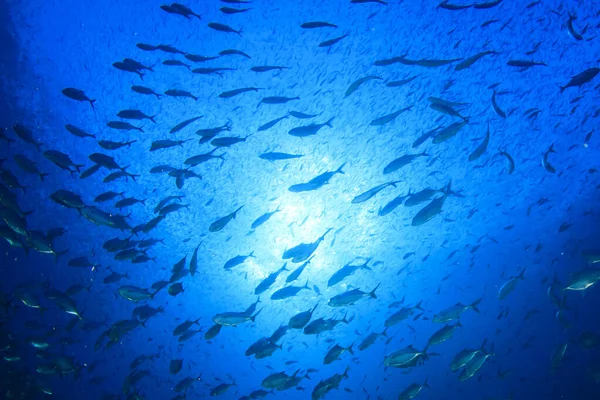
(48, 46)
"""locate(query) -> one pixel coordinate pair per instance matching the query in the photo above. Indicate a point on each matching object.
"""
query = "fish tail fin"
(328, 123)
(372, 292)
(306, 285)
(551, 149)
(152, 118)
(475, 304)
(418, 306)
(350, 348)
(344, 320)
(384, 333)
(42, 176)
(562, 88)
(522, 274)
(92, 104)
(253, 318)
(340, 169)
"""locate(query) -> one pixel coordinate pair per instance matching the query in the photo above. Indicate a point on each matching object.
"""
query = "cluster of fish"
(136, 248)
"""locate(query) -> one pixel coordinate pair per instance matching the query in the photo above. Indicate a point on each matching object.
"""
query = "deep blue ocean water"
(414, 55)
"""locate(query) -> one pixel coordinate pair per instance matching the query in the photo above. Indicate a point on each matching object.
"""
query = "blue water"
(491, 226)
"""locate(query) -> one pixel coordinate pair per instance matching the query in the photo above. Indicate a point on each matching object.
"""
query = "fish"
(175, 63)
(288, 291)
(448, 132)
(317, 24)
(572, 32)
(78, 95)
(346, 271)
(402, 161)
(224, 28)
(350, 297)
(386, 119)
(184, 124)
(331, 42)
(509, 285)
(266, 283)
(75, 131)
(495, 106)
(303, 251)
(547, 166)
(220, 223)
(356, 84)
(455, 311)
(237, 260)
(271, 124)
(468, 62)
(407, 357)
(478, 152)
(335, 352)
(145, 90)
(412, 390)
(229, 10)
(361, 198)
(235, 92)
(180, 93)
(525, 64)
(583, 280)
(511, 161)
(264, 218)
(309, 130)
(277, 100)
(581, 79)
(317, 182)
(275, 156)
(231, 52)
(391, 205)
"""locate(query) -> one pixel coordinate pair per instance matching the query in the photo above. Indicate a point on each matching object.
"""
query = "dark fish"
(223, 28)
(317, 24)
(447, 6)
(581, 78)
(26, 135)
(169, 49)
(361, 198)
(166, 143)
(72, 129)
(277, 100)
(386, 119)
(267, 68)
(472, 60)
(229, 10)
(175, 63)
(574, 34)
(135, 114)
(354, 86)
(145, 90)
(309, 130)
(511, 161)
(301, 115)
(448, 132)
(228, 141)
(198, 58)
(231, 52)
(525, 64)
(478, 152)
(123, 126)
(331, 42)
(545, 162)
(274, 156)
(486, 5)
(183, 124)
(401, 82)
(128, 68)
(110, 145)
(271, 124)
(146, 47)
(235, 92)
(223, 221)
(180, 93)
(497, 109)
(78, 95)
(368, 1)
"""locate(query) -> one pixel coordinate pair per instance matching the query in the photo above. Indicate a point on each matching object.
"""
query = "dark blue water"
(533, 88)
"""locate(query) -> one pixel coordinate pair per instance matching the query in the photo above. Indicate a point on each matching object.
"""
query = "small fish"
(79, 95)
(317, 24)
(223, 28)
(331, 42)
(545, 162)
(180, 93)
